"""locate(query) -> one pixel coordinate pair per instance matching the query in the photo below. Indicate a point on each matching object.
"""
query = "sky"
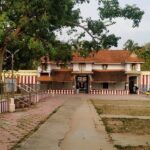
(123, 28)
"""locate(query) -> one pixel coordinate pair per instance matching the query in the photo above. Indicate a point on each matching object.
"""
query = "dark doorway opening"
(105, 85)
(82, 84)
(132, 85)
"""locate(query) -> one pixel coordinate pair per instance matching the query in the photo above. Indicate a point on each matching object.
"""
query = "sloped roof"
(107, 56)
(110, 76)
(62, 75)
(44, 78)
(133, 58)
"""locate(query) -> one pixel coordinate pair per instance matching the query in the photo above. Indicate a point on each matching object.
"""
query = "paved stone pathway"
(15, 126)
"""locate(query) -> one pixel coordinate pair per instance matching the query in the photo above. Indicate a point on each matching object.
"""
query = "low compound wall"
(100, 92)
(4, 106)
(9, 105)
(41, 96)
(64, 92)
(110, 92)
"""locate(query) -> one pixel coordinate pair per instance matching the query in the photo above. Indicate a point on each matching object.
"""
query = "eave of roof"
(111, 76)
(44, 79)
(62, 70)
(96, 63)
(140, 62)
(62, 75)
(82, 72)
(112, 70)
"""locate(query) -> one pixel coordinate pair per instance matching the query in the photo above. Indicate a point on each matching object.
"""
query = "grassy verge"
(133, 108)
(123, 125)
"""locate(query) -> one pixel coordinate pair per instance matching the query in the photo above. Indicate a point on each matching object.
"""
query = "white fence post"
(11, 105)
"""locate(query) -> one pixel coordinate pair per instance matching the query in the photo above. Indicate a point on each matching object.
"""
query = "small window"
(133, 66)
(105, 67)
(105, 85)
(82, 67)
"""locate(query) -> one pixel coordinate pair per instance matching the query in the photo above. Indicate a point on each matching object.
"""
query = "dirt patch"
(123, 125)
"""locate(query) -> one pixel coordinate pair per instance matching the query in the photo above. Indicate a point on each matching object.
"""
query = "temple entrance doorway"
(82, 83)
(133, 85)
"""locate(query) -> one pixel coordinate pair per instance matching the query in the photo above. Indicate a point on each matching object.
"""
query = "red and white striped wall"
(4, 106)
(63, 92)
(109, 92)
(32, 79)
(24, 79)
(145, 82)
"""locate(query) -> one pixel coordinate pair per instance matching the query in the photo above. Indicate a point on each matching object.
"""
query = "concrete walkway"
(50, 135)
(75, 126)
(86, 131)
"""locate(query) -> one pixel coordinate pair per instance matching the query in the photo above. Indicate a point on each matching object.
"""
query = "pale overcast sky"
(123, 28)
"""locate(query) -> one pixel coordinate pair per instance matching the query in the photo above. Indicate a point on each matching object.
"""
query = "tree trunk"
(1, 63)
(15, 33)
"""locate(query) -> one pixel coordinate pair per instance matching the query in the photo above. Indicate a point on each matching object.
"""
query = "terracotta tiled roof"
(110, 76)
(107, 56)
(62, 75)
(44, 78)
(77, 58)
(133, 58)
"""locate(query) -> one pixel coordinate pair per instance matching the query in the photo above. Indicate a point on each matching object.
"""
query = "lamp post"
(12, 68)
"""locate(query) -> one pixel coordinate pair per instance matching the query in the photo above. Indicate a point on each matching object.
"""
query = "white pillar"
(37, 97)
(11, 105)
(138, 67)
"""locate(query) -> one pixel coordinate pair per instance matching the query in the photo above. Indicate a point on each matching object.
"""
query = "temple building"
(105, 69)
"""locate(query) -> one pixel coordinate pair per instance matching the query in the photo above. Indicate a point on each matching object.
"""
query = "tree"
(61, 53)
(31, 25)
(130, 45)
(144, 53)
(108, 11)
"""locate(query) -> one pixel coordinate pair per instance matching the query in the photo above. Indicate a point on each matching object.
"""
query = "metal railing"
(25, 99)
